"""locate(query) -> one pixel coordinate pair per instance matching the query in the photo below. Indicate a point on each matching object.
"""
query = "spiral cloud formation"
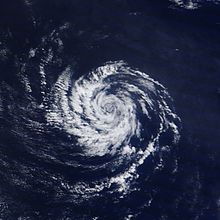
(116, 117)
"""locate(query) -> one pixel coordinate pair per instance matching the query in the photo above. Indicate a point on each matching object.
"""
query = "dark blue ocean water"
(176, 46)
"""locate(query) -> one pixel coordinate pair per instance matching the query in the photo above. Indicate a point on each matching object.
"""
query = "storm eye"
(109, 108)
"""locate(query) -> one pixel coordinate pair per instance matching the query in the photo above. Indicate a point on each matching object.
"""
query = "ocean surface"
(110, 110)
